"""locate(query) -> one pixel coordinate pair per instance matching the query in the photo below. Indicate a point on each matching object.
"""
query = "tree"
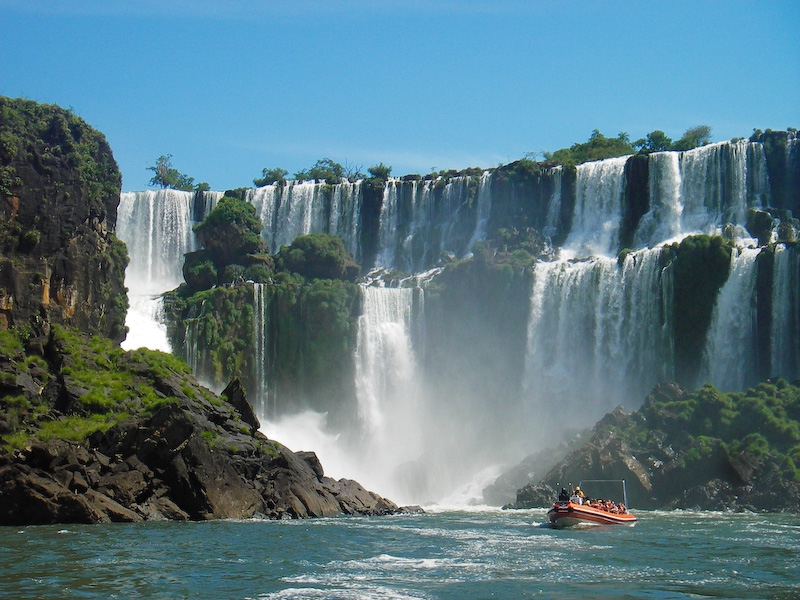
(380, 171)
(694, 137)
(597, 148)
(656, 141)
(168, 176)
(270, 176)
(324, 169)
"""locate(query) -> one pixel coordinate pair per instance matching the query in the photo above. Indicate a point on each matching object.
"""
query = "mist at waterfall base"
(598, 332)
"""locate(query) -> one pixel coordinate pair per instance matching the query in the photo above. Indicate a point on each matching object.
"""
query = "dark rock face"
(188, 460)
(59, 189)
(234, 393)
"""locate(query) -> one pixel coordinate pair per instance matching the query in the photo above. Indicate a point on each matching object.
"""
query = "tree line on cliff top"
(597, 147)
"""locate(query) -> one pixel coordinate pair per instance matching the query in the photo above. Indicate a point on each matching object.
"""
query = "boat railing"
(622, 481)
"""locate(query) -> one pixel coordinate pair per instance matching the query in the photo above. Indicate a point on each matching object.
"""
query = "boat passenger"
(563, 495)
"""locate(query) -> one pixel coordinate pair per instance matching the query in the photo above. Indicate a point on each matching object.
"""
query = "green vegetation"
(25, 125)
(658, 141)
(311, 302)
(318, 256)
(232, 228)
(313, 326)
(700, 268)
(167, 176)
(693, 137)
(380, 171)
(597, 148)
(102, 385)
(233, 248)
(511, 246)
(219, 321)
(329, 171)
(269, 176)
(761, 423)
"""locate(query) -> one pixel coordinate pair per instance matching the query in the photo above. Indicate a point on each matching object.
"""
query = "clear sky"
(229, 87)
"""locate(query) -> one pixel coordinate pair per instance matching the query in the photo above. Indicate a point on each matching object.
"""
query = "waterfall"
(598, 208)
(299, 211)
(785, 333)
(420, 220)
(295, 208)
(552, 224)
(729, 358)
(259, 396)
(156, 226)
(701, 190)
(345, 216)
(388, 228)
(663, 221)
(597, 337)
(484, 209)
(385, 365)
(387, 385)
(714, 186)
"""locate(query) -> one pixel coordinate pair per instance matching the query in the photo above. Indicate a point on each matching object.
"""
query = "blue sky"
(231, 87)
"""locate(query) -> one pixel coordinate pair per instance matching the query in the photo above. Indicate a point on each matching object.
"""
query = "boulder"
(234, 393)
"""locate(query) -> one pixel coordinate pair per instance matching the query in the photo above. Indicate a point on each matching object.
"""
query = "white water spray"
(597, 337)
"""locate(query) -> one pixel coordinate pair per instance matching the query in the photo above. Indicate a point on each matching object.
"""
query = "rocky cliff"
(60, 261)
(93, 434)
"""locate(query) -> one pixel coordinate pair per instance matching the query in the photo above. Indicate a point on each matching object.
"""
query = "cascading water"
(785, 331)
(597, 337)
(701, 190)
(387, 385)
(260, 394)
(598, 209)
(729, 359)
(714, 186)
(663, 221)
(388, 230)
(552, 223)
(420, 220)
(484, 209)
(156, 226)
(297, 208)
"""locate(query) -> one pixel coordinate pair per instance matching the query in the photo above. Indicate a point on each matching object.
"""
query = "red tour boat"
(576, 509)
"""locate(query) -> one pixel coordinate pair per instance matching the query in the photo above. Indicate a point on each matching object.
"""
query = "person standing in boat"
(577, 496)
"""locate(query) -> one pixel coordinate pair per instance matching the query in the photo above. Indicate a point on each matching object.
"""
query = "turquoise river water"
(447, 554)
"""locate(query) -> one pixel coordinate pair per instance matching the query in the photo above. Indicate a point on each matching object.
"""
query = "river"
(443, 554)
